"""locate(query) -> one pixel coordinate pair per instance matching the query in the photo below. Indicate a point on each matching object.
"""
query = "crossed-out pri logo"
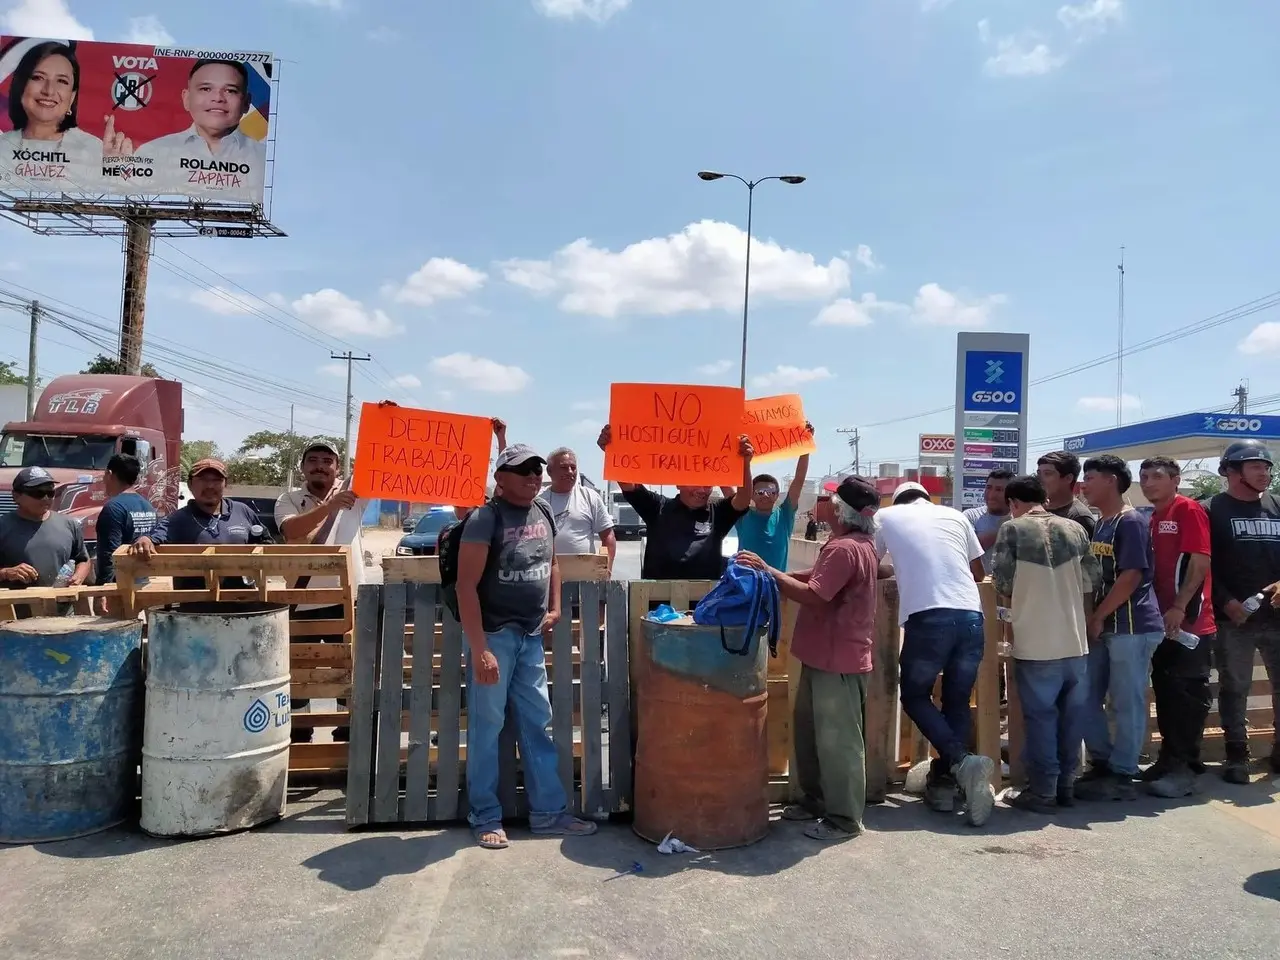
(257, 717)
(132, 89)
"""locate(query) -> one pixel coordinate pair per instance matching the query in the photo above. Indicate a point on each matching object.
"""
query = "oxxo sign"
(933, 445)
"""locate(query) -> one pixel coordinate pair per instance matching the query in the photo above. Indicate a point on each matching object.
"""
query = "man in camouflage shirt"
(1044, 570)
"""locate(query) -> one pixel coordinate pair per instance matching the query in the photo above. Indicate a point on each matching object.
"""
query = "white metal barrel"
(215, 744)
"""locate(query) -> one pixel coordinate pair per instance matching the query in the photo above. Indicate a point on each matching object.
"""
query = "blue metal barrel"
(70, 733)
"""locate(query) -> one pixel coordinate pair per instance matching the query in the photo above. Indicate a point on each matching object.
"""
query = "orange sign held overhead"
(421, 456)
(674, 433)
(776, 426)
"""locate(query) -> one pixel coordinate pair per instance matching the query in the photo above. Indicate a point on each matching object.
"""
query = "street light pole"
(746, 283)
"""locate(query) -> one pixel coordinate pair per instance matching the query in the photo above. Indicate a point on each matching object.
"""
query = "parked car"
(421, 541)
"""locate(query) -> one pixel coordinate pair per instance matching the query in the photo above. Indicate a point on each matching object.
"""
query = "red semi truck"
(80, 421)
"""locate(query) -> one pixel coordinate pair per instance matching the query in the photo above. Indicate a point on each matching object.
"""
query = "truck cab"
(80, 422)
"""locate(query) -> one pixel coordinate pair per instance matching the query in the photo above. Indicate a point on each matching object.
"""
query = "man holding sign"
(766, 528)
(686, 534)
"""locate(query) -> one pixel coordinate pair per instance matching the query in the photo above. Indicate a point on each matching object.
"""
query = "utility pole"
(350, 358)
(1241, 393)
(133, 306)
(32, 367)
(1120, 348)
(854, 441)
(289, 479)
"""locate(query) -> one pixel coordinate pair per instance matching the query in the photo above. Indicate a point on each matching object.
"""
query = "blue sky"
(498, 201)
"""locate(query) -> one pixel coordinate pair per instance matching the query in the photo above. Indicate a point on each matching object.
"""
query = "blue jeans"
(522, 682)
(951, 643)
(1055, 700)
(1119, 665)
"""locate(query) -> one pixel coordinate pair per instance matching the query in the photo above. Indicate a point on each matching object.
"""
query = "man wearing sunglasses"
(36, 544)
(766, 528)
(508, 595)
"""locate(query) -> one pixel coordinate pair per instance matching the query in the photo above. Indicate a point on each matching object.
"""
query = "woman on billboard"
(46, 147)
(213, 157)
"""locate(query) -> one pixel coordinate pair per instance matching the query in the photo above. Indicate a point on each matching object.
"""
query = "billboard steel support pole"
(32, 376)
(133, 308)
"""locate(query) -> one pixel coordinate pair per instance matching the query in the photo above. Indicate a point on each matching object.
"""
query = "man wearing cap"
(686, 533)
(833, 640)
(324, 511)
(208, 517)
(508, 592)
(40, 548)
(937, 561)
(766, 528)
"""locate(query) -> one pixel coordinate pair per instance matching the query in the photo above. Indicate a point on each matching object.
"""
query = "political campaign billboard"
(90, 119)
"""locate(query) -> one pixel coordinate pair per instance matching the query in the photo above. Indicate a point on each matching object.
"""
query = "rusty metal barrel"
(702, 753)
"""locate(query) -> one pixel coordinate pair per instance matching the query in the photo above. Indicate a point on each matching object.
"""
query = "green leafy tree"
(266, 457)
(194, 451)
(104, 364)
(10, 375)
(1205, 486)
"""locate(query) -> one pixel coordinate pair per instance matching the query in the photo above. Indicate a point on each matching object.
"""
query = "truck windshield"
(44, 450)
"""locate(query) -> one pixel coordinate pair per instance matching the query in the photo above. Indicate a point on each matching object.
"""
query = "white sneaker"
(973, 774)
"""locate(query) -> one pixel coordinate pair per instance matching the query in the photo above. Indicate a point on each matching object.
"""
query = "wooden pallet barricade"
(408, 703)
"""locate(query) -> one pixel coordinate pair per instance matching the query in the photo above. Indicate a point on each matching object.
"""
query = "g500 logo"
(1233, 424)
(1075, 443)
(993, 396)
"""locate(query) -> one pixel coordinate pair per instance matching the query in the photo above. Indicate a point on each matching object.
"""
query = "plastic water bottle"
(1254, 603)
(65, 573)
(1188, 640)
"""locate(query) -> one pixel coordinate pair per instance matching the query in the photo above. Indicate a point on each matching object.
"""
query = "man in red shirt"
(1180, 666)
(832, 641)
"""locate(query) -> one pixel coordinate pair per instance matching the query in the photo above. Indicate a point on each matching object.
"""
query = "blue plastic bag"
(744, 597)
(663, 613)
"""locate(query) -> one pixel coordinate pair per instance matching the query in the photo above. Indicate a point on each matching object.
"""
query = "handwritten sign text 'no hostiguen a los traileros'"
(422, 456)
(776, 426)
(667, 433)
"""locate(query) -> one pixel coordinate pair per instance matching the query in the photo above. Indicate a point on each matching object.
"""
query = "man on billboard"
(213, 153)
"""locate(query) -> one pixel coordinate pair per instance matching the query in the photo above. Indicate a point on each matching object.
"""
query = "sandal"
(565, 825)
(828, 832)
(798, 812)
(490, 837)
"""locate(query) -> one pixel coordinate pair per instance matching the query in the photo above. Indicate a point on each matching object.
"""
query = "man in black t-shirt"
(1244, 534)
(685, 534)
(1059, 473)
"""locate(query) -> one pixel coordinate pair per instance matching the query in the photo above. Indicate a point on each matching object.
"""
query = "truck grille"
(6, 503)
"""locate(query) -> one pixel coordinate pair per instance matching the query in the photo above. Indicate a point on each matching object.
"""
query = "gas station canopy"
(1189, 436)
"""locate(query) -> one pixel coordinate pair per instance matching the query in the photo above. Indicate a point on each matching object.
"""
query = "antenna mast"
(1120, 348)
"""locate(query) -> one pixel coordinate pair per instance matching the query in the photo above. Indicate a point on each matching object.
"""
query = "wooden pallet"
(574, 568)
(45, 601)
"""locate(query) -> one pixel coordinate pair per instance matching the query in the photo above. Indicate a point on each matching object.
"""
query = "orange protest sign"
(776, 426)
(421, 456)
(674, 433)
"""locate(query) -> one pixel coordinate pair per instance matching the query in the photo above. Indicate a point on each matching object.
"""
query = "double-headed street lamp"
(746, 293)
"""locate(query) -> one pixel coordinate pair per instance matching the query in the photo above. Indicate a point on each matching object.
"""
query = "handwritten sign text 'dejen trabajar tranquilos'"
(422, 456)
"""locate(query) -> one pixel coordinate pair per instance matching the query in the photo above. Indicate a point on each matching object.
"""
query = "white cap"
(908, 487)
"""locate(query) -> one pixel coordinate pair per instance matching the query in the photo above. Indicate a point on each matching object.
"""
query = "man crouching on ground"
(508, 593)
(832, 641)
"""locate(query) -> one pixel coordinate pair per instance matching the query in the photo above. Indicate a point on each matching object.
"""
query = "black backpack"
(450, 540)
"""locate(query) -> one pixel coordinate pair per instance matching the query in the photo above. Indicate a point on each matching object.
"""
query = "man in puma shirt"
(1244, 527)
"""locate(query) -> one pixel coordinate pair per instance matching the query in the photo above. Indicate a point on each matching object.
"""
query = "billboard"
(127, 120)
(937, 445)
(991, 409)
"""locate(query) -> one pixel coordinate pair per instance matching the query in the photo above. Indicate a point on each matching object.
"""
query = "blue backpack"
(744, 597)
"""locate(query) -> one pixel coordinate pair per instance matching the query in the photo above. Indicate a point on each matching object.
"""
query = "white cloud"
(784, 376)
(339, 316)
(150, 31)
(597, 10)
(1091, 16)
(44, 18)
(867, 259)
(586, 427)
(1263, 339)
(699, 268)
(938, 307)
(587, 406)
(440, 278)
(856, 313)
(480, 373)
(1108, 404)
(444, 394)
(333, 369)
(533, 275)
(407, 381)
(221, 301)
(1017, 56)
(716, 368)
